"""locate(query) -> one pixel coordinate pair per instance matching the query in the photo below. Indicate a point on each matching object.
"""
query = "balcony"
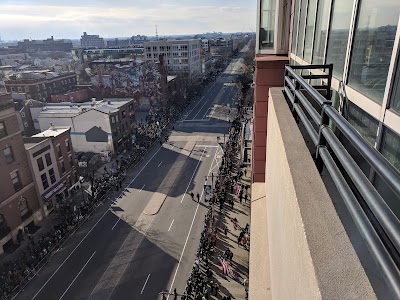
(321, 230)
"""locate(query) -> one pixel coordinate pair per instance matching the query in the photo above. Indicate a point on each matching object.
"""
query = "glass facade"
(395, 99)
(321, 31)
(267, 30)
(295, 25)
(365, 124)
(303, 14)
(372, 47)
(312, 8)
(338, 35)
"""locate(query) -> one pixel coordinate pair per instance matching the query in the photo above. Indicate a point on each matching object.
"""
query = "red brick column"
(269, 73)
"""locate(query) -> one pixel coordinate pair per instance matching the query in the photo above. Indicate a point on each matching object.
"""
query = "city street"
(143, 240)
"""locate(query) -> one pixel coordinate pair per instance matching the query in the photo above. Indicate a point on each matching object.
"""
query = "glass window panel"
(312, 7)
(267, 30)
(3, 132)
(295, 25)
(8, 155)
(395, 101)
(372, 47)
(321, 30)
(302, 25)
(40, 163)
(390, 149)
(364, 123)
(48, 159)
(339, 35)
(52, 175)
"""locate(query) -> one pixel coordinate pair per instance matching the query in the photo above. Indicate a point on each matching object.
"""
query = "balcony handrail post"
(324, 122)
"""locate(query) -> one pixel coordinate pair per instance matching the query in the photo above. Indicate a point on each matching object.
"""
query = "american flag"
(238, 188)
(226, 269)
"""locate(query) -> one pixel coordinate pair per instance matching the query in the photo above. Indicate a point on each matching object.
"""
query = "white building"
(180, 56)
(95, 127)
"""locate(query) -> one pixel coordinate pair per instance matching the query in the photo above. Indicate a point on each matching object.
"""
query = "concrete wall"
(309, 254)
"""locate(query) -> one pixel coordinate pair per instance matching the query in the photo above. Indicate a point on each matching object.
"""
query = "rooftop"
(68, 109)
(53, 131)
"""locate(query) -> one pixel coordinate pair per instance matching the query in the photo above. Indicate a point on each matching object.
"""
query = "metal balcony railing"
(378, 225)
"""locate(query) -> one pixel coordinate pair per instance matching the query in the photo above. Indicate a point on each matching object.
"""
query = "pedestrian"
(198, 197)
(216, 289)
(245, 172)
(192, 195)
(225, 230)
(245, 198)
(212, 286)
(175, 294)
(240, 197)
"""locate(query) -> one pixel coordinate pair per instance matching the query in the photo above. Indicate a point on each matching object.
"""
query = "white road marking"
(115, 224)
(200, 100)
(159, 164)
(145, 284)
(195, 170)
(77, 275)
(171, 225)
(187, 237)
(142, 188)
(73, 251)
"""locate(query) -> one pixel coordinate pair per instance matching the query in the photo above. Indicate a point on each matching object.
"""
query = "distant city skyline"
(40, 19)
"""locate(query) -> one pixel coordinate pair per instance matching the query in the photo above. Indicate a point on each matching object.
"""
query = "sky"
(40, 19)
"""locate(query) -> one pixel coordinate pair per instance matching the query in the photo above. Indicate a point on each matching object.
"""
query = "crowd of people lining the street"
(17, 272)
(201, 284)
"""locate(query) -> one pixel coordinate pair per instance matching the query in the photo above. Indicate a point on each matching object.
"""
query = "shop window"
(372, 47)
(302, 24)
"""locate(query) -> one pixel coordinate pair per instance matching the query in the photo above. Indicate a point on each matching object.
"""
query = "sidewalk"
(233, 285)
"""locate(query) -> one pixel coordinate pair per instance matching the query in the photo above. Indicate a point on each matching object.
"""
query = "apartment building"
(91, 40)
(49, 44)
(52, 163)
(326, 118)
(40, 85)
(180, 56)
(19, 204)
(95, 126)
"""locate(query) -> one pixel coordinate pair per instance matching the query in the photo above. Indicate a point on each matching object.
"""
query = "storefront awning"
(54, 190)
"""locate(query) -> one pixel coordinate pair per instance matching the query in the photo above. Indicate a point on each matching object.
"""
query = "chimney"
(51, 126)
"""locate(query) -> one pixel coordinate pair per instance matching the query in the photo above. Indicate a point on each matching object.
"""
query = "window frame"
(9, 162)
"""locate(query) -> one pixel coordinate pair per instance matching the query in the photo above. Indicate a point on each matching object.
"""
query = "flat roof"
(68, 109)
(52, 132)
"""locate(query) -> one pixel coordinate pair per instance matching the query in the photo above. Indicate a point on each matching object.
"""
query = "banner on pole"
(207, 192)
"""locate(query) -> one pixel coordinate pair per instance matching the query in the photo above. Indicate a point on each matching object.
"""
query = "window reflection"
(303, 18)
(295, 26)
(339, 35)
(321, 29)
(267, 29)
(312, 7)
(373, 45)
(395, 102)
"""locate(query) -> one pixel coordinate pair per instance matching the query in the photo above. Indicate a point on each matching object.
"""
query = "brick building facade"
(19, 205)
(41, 85)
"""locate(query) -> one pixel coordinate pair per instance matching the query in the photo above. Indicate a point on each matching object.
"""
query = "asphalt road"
(123, 253)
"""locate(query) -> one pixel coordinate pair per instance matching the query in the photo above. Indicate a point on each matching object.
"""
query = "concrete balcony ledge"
(299, 247)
